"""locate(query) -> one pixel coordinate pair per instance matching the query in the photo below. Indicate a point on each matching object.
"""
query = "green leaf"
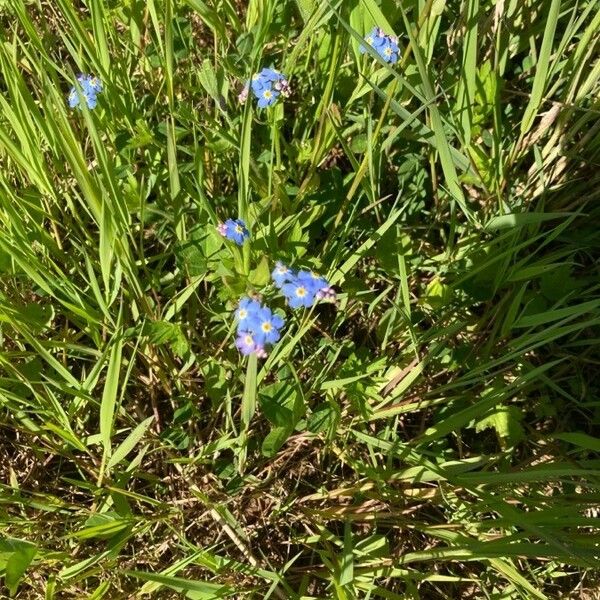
(108, 404)
(203, 589)
(580, 439)
(17, 564)
(200, 251)
(306, 8)
(556, 315)
(163, 332)
(249, 397)
(260, 276)
(38, 316)
(521, 219)
(324, 419)
(208, 80)
(467, 82)
(347, 561)
(375, 17)
(102, 526)
(209, 16)
(245, 142)
(129, 443)
(274, 440)
(540, 81)
(506, 421)
(160, 332)
(282, 404)
(437, 294)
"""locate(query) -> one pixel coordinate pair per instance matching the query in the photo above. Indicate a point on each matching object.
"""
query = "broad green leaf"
(375, 17)
(282, 403)
(208, 79)
(262, 274)
(324, 419)
(275, 440)
(16, 565)
(506, 421)
(306, 8)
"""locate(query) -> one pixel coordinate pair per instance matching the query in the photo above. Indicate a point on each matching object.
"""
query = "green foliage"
(431, 434)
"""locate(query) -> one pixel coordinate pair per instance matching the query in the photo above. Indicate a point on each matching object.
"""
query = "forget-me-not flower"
(90, 87)
(385, 45)
(390, 50)
(234, 230)
(246, 343)
(312, 280)
(246, 309)
(302, 289)
(298, 294)
(267, 98)
(281, 274)
(267, 85)
(266, 326)
(257, 327)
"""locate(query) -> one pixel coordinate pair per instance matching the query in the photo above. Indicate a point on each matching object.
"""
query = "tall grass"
(434, 434)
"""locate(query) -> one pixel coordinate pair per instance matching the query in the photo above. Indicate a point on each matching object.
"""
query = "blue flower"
(268, 85)
(376, 38)
(313, 281)
(94, 84)
(385, 45)
(281, 274)
(246, 343)
(298, 293)
(267, 97)
(245, 311)
(234, 230)
(271, 74)
(389, 52)
(305, 288)
(266, 326)
(257, 326)
(90, 87)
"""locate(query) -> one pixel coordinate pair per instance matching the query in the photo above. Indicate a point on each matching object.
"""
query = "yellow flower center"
(266, 327)
(388, 51)
(268, 94)
(243, 313)
(238, 229)
(248, 340)
(300, 292)
(370, 40)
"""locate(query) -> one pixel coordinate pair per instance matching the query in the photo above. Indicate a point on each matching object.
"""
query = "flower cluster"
(385, 45)
(266, 86)
(90, 87)
(303, 288)
(234, 230)
(257, 327)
